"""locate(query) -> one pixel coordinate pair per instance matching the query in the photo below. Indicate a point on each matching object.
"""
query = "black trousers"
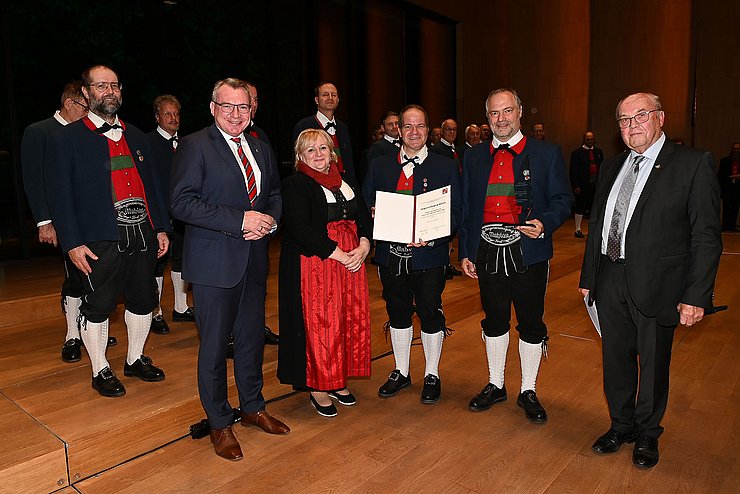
(526, 290)
(730, 209)
(127, 267)
(637, 355)
(240, 311)
(424, 289)
(174, 253)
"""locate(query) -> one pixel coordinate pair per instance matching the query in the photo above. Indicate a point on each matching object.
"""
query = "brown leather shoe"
(225, 444)
(265, 421)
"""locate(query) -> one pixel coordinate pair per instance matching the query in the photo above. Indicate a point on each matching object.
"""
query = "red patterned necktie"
(251, 182)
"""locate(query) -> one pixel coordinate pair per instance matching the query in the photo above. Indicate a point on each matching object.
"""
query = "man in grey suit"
(226, 189)
(650, 263)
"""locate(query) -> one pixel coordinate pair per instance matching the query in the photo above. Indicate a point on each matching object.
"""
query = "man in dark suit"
(111, 221)
(413, 275)
(584, 172)
(472, 138)
(729, 182)
(163, 144)
(256, 131)
(446, 145)
(390, 142)
(226, 189)
(515, 195)
(327, 101)
(33, 150)
(651, 257)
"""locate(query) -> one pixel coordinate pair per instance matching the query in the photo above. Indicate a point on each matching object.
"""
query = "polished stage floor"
(58, 434)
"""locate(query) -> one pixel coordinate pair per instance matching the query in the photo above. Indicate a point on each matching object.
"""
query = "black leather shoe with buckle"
(144, 370)
(395, 383)
(432, 390)
(487, 398)
(71, 350)
(107, 384)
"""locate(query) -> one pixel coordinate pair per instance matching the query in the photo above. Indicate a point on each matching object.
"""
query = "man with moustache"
(584, 173)
(413, 275)
(651, 258)
(327, 101)
(515, 195)
(226, 189)
(163, 144)
(111, 221)
(34, 148)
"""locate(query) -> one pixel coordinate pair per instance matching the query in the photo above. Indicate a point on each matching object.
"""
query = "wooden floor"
(58, 433)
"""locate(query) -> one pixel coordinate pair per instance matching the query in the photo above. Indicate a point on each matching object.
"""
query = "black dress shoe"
(71, 350)
(107, 384)
(112, 341)
(395, 383)
(532, 408)
(613, 440)
(159, 325)
(487, 398)
(325, 411)
(347, 400)
(270, 337)
(144, 370)
(645, 454)
(580, 234)
(187, 316)
(432, 389)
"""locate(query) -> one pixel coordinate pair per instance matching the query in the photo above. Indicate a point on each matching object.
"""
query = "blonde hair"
(308, 136)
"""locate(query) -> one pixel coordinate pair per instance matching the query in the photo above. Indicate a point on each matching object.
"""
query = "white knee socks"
(496, 348)
(138, 329)
(401, 341)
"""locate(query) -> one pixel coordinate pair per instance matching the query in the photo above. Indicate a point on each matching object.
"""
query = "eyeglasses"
(83, 106)
(103, 86)
(169, 114)
(639, 118)
(408, 127)
(227, 108)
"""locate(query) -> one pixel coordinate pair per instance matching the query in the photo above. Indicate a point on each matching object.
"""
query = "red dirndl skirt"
(336, 315)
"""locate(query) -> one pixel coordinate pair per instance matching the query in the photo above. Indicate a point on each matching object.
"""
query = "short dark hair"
(413, 107)
(87, 80)
(387, 115)
(323, 83)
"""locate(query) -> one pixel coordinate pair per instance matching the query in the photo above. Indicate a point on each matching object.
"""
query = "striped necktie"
(251, 182)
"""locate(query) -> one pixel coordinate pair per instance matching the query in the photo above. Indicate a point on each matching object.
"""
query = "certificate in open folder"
(403, 218)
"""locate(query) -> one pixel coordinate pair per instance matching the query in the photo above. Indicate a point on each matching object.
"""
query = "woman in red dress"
(323, 295)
